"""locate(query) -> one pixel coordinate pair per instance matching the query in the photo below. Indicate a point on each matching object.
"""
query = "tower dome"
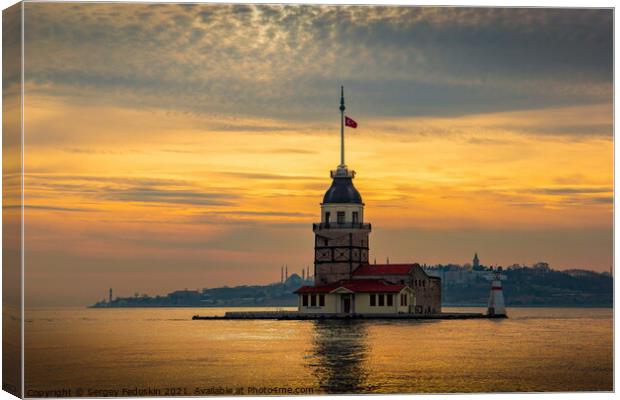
(342, 191)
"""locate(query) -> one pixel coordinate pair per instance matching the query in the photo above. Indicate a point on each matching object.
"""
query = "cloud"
(166, 196)
(267, 176)
(49, 208)
(81, 150)
(291, 151)
(603, 199)
(50, 179)
(576, 129)
(102, 189)
(488, 141)
(264, 213)
(287, 61)
(571, 190)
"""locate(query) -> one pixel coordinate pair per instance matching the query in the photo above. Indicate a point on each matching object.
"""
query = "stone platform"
(294, 315)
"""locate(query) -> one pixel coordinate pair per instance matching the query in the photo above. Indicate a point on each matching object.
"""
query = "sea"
(163, 352)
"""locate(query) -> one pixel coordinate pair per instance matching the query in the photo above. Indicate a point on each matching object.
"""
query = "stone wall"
(338, 252)
(427, 291)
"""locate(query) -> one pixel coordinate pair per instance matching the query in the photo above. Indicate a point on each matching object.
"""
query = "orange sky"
(144, 196)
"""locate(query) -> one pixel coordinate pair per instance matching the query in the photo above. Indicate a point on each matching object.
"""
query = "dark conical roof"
(342, 191)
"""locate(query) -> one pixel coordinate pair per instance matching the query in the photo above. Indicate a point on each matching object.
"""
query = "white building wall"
(360, 303)
(331, 304)
(348, 210)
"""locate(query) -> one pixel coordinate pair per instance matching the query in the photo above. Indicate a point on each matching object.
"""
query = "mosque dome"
(342, 191)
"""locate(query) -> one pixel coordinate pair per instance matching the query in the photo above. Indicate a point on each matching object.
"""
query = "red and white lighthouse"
(496, 298)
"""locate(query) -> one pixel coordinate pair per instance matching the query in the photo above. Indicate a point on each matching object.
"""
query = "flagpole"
(342, 126)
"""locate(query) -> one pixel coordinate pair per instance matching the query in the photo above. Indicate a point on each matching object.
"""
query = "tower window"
(313, 300)
(340, 217)
(381, 300)
(355, 217)
(305, 300)
(373, 300)
(327, 215)
(322, 300)
(390, 300)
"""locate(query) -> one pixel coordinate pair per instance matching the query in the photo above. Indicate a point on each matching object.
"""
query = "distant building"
(456, 275)
(476, 261)
(185, 297)
(344, 281)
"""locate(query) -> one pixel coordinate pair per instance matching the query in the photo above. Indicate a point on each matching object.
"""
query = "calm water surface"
(536, 349)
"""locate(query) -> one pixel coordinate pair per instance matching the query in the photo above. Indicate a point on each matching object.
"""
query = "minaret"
(110, 297)
(341, 238)
(286, 272)
(496, 298)
(281, 274)
(475, 261)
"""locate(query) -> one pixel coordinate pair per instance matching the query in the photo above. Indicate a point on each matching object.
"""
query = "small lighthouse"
(496, 298)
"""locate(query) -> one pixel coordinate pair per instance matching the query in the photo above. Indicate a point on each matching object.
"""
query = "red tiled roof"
(315, 289)
(383, 269)
(356, 286)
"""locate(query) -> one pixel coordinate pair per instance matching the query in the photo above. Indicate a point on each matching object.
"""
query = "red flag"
(349, 122)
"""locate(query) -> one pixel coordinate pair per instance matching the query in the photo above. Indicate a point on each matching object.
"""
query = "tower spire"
(342, 108)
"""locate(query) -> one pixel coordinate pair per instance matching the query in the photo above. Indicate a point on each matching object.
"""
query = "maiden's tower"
(344, 281)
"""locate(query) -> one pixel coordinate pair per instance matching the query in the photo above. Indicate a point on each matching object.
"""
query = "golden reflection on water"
(340, 352)
(546, 349)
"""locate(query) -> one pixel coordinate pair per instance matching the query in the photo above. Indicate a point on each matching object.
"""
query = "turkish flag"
(349, 122)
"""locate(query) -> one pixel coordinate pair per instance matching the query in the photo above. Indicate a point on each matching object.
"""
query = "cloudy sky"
(174, 146)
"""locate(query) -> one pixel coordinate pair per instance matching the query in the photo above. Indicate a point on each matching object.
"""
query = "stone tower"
(341, 238)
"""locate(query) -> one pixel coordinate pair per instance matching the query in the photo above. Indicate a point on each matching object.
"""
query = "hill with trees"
(537, 285)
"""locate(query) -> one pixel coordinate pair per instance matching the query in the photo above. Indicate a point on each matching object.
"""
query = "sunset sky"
(189, 146)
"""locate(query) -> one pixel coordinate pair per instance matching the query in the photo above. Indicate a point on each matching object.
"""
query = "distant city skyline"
(173, 146)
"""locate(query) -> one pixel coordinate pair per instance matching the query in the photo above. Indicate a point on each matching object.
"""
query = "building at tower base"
(376, 289)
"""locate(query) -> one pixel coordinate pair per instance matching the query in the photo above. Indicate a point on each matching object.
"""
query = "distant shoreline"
(536, 287)
(443, 305)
